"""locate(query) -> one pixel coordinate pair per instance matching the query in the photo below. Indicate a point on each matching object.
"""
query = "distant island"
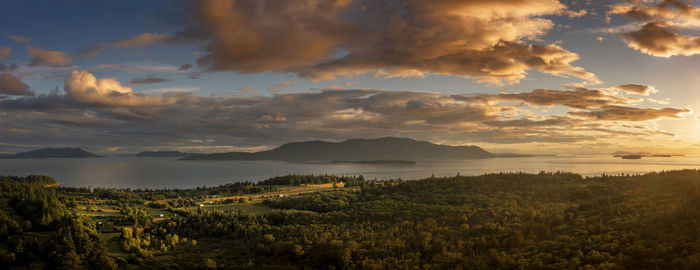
(638, 155)
(164, 154)
(52, 153)
(367, 150)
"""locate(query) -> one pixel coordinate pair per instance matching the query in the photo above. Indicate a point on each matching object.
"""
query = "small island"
(632, 157)
(638, 155)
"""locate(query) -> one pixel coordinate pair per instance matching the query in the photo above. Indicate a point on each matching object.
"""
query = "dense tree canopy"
(501, 221)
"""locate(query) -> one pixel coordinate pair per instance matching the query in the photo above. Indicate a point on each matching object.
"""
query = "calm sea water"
(137, 172)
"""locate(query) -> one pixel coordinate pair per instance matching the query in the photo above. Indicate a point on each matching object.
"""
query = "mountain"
(165, 154)
(53, 153)
(387, 148)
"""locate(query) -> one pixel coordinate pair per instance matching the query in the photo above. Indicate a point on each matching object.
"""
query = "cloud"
(147, 80)
(636, 88)
(319, 40)
(580, 98)
(276, 86)
(40, 56)
(104, 112)
(576, 14)
(185, 67)
(246, 88)
(11, 85)
(5, 52)
(621, 113)
(526, 122)
(140, 40)
(658, 39)
(12, 67)
(20, 39)
(172, 90)
(663, 21)
(140, 68)
(84, 87)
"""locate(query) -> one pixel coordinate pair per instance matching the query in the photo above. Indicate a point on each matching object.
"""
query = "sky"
(522, 76)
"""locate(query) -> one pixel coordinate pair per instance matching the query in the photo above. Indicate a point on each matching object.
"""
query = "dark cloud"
(11, 67)
(147, 80)
(12, 85)
(194, 75)
(185, 67)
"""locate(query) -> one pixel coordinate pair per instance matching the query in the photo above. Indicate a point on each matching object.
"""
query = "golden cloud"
(662, 22)
(84, 87)
(622, 113)
(320, 40)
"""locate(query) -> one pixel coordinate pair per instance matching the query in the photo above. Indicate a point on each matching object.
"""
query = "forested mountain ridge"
(387, 148)
(68, 152)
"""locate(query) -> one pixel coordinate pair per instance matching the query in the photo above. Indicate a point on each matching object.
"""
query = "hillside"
(53, 153)
(387, 148)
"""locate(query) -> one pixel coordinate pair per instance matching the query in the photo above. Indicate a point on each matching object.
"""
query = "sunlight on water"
(136, 172)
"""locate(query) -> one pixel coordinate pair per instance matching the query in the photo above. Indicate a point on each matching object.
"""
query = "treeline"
(116, 196)
(495, 221)
(36, 230)
(297, 180)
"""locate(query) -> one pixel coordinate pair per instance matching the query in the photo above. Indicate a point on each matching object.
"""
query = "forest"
(550, 220)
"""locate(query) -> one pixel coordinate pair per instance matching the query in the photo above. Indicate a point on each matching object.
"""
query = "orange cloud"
(276, 86)
(40, 56)
(5, 52)
(580, 98)
(320, 40)
(636, 88)
(11, 85)
(662, 22)
(658, 39)
(621, 113)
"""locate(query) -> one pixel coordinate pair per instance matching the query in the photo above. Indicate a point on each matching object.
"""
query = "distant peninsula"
(52, 153)
(165, 154)
(359, 150)
(638, 155)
